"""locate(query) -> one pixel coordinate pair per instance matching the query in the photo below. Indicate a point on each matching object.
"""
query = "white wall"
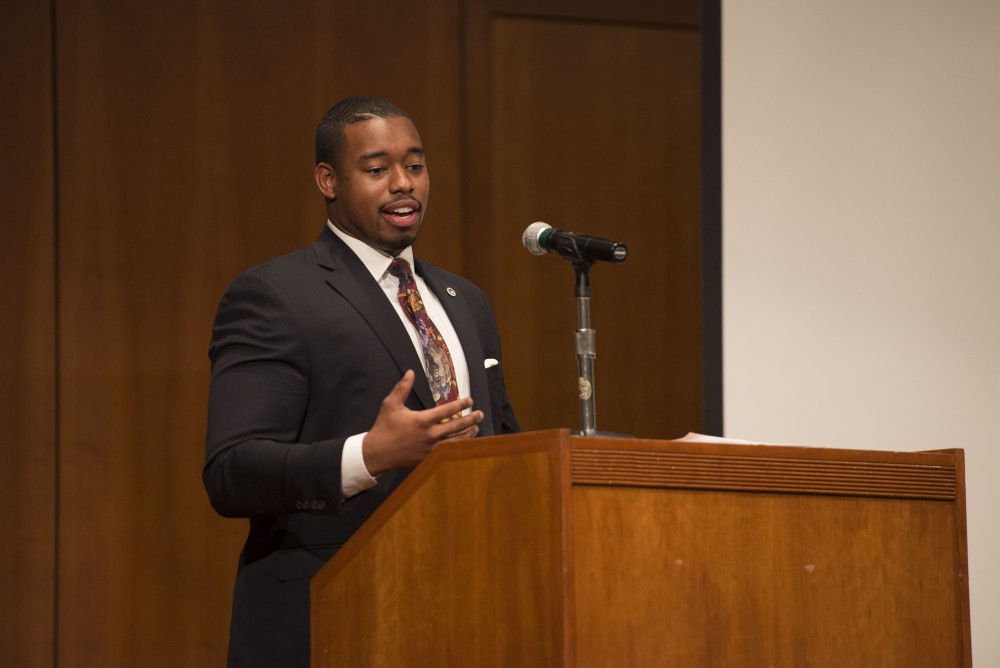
(861, 227)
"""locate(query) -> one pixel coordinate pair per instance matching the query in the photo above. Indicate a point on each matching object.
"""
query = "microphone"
(541, 238)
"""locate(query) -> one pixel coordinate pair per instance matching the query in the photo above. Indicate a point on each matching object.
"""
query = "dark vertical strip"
(711, 224)
(463, 129)
(57, 352)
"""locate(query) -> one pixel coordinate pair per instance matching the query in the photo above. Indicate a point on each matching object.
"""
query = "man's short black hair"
(330, 139)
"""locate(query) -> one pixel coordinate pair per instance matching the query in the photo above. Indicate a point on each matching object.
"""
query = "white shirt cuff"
(354, 476)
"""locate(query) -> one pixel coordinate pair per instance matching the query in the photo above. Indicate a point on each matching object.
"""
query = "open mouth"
(402, 214)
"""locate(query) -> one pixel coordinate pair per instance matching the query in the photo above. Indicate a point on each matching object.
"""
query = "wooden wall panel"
(592, 124)
(27, 335)
(186, 156)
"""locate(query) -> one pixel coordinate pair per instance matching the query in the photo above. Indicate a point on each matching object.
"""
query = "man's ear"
(326, 180)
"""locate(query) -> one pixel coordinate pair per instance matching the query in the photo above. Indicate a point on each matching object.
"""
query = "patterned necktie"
(437, 359)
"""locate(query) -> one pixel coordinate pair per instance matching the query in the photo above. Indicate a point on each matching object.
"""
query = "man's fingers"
(466, 433)
(449, 415)
(449, 411)
(399, 391)
(455, 426)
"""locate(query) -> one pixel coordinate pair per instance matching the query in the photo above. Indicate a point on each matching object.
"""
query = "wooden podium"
(546, 549)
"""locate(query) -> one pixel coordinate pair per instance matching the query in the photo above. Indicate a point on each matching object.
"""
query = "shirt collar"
(375, 260)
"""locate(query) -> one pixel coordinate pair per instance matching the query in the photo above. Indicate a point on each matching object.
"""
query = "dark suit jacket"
(303, 351)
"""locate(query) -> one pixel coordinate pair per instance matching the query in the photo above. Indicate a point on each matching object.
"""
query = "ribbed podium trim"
(762, 474)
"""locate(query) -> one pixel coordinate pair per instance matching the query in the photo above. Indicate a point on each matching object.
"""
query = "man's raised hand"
(401, 438)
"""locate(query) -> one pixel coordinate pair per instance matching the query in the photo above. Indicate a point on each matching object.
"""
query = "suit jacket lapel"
(352, 280)
(461, 319)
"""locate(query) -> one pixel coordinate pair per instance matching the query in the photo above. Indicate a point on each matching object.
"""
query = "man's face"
(380, 184)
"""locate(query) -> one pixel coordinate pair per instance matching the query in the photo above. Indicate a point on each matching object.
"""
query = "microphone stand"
(586, 352)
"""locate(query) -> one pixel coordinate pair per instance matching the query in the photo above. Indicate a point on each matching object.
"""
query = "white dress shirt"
(354, 476)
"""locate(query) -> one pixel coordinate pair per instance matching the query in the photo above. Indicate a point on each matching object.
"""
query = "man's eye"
(416, 167)
(375, 171)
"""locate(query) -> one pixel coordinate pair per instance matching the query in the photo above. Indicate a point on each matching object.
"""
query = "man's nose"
(400, 180)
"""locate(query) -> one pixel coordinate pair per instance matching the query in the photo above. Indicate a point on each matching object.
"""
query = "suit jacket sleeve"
(259, 394)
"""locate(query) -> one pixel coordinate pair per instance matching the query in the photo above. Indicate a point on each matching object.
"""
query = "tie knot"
(400, 268)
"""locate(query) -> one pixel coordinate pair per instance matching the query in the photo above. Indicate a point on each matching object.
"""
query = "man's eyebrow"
(413, 150)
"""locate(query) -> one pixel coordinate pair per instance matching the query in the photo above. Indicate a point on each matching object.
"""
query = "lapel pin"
(451, 291)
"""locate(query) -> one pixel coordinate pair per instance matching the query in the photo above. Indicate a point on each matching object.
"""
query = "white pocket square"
(489, 362)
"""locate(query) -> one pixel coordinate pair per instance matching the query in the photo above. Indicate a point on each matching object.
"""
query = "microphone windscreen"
(531, 235)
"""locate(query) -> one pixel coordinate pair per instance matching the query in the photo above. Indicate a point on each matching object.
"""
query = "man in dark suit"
(327, 388)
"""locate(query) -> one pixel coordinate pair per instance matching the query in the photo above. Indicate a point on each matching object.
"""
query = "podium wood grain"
(544, 549)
